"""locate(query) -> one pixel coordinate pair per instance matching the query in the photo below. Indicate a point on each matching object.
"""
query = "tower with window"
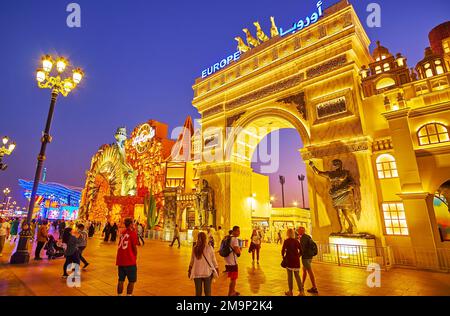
(385, 72)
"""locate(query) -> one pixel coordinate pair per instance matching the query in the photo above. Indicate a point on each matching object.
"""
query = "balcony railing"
(352, 255)
(385, 257)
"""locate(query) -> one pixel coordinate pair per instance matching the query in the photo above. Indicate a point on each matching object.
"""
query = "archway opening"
(442, 210)
(270, 145)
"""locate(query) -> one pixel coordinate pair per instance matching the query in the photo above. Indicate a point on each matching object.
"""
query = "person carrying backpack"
(309, 251)
(230, 250)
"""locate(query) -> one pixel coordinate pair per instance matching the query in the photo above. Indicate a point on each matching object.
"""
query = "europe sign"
(297, 26)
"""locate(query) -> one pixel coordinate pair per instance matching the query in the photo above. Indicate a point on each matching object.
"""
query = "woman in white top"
(203, 267)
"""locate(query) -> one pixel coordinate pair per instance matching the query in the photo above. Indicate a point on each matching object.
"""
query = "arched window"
(433, 133)
(386, 167)
(386, 67)
(385, 83)
(378, 70)
(439, 67)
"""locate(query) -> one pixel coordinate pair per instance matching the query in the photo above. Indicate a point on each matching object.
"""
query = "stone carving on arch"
(299, 101)
(265, 92)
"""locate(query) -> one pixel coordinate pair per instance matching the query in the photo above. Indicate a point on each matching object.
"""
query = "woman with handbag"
(255, 245)
(291, 253)
(203, 267)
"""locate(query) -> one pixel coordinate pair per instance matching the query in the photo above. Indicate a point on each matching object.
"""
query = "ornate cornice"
(397, 114)
(265, 92)
(212, 111)
(326, 67)
(336, 148)
(440, 149)
(413, 195)
(432, 109)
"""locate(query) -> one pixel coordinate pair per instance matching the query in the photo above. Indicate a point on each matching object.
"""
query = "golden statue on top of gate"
(261, 37)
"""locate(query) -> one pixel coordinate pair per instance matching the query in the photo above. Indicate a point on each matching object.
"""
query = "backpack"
(225, 247)
(312, 249)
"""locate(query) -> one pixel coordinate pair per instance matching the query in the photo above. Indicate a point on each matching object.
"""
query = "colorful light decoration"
(59, 201)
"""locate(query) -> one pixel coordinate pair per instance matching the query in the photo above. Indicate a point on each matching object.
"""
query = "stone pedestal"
(355, 250)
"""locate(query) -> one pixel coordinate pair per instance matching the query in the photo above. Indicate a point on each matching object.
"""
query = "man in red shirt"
(126, 258)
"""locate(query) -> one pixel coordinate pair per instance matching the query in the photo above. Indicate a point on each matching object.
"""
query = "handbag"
(251, 248)
(284, 263)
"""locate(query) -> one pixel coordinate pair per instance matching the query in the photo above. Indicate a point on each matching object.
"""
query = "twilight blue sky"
(141, 58)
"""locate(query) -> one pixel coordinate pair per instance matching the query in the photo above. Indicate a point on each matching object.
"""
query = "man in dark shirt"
(307, 257)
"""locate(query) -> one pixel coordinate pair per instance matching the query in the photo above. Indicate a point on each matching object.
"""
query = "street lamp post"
(58, 85)
(302, 178)
(7, 203)
(6, 150)
(282, 182)
(6, 192)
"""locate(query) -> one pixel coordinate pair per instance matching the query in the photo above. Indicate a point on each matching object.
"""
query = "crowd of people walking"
(69, 240)
(298, 251)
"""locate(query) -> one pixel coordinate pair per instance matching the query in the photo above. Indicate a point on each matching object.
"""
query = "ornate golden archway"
(254, 125)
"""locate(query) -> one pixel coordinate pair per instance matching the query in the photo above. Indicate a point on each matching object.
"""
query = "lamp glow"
(47, 63)
(5, 140)
(68, 86)
(11, 147)
(78, 75)
(41, 75)
(61, 64)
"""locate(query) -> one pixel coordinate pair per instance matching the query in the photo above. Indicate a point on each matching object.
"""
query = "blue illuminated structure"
(55, 200)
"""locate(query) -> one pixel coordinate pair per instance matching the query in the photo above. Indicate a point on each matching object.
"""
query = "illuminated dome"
(431, 65)
(438, 35)
(380, 52)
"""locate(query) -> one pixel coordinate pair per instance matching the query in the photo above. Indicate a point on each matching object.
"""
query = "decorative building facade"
(375, 132)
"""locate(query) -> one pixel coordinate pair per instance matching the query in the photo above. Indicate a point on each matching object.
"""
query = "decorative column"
(232, 185)
(414, 198)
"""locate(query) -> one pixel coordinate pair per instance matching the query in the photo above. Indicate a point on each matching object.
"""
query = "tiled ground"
(162, 271)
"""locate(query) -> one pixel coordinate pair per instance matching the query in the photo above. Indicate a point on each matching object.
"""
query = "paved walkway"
(162, 271)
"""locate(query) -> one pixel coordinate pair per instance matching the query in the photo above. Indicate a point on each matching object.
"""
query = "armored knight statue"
(206, 199)
(129, 186)
(343, 195)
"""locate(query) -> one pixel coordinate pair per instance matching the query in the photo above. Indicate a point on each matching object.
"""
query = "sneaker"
(288, 293)
(313, 291)
(302, 293)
